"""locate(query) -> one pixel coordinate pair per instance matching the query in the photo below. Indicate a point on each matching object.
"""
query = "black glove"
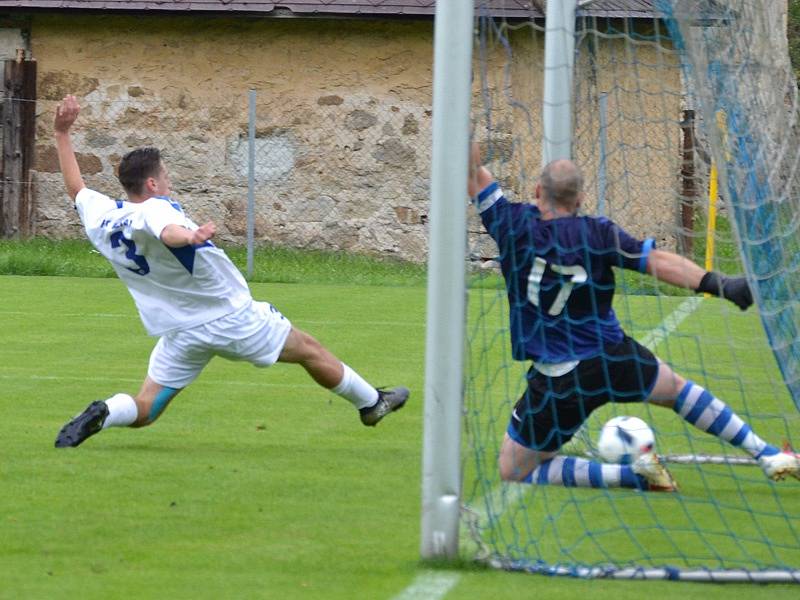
(734, 289)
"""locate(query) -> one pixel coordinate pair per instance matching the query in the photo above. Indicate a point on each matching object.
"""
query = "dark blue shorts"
(553, 408)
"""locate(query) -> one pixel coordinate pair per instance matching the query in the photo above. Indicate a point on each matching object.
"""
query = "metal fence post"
(251, 180)
(602, 177)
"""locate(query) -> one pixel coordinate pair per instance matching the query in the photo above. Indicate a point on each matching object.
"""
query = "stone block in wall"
(315, 209)
(331, 100)
(407, 215)
(96, 138)
(359, 120)
(47, 161)
(395, 153)
(410, 125)
(275, 156)
(54, 85)
(89, 164)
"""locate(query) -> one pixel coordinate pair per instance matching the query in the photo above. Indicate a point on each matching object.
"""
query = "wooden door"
(18, 135)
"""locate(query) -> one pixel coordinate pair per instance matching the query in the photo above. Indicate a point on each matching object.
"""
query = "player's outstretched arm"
(177, 236)
(479, 176)
(66, 113)
(677, 270)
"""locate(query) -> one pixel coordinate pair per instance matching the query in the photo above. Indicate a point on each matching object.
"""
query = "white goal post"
(446, 312)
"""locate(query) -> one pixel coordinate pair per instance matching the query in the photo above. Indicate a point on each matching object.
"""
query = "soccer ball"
(624, 439)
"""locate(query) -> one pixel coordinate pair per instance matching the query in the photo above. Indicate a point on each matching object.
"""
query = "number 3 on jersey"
(142, 268)
(577, 276)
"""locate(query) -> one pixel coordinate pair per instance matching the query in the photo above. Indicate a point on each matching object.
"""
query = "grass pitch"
(253, 484)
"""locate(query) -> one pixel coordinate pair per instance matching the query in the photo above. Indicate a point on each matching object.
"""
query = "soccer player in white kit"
(189, 294)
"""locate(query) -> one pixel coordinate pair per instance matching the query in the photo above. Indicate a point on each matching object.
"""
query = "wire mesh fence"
(349, 175)
(628, 114)
(350, 172)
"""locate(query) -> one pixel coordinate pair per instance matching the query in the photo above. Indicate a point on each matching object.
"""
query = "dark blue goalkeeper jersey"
(559, 278)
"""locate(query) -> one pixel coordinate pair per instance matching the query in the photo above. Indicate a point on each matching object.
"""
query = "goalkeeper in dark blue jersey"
(558, 269)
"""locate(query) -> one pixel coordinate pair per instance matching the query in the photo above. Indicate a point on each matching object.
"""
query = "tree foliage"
(794, 36)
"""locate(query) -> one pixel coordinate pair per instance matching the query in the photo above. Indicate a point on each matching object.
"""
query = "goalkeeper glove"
(734, 289)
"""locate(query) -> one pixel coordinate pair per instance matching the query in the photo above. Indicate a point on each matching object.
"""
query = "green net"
(647, 129)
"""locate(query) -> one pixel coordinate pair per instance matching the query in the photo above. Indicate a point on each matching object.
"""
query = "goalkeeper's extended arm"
(677, 270)
(735, 289)
(479, 176)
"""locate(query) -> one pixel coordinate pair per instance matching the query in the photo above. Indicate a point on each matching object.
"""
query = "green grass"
(77, 258)
(258, 484)
(255, 483)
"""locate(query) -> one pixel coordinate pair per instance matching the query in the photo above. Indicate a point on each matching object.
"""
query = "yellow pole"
(711, 226)
(712, 216)
(713, 192)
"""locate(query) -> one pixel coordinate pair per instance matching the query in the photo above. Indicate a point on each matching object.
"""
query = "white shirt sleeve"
(92, 206)
(158, 213)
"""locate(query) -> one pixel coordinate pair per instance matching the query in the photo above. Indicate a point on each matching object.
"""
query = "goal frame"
(446, 309)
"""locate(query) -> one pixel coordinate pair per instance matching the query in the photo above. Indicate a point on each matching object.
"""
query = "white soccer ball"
(624, 439)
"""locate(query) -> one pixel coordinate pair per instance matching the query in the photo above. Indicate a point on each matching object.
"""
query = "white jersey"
(173, 288)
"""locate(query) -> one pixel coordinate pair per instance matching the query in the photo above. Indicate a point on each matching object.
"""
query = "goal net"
(670, 97)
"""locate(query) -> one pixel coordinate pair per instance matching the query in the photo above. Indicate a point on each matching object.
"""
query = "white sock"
(353, 388)
(122, 411)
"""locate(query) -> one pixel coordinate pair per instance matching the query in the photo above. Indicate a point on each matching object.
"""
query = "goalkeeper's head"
(560, 188)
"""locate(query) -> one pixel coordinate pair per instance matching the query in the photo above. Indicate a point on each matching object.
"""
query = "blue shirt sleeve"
(492, 206)
(488, 197)
(623, 249)
(499, 216)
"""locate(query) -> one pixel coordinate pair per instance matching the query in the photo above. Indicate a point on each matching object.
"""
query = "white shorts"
(255, 333)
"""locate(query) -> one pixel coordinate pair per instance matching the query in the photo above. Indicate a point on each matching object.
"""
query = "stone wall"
(342, 132)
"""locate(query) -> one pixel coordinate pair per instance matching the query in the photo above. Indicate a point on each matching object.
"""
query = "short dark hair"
(136, 166)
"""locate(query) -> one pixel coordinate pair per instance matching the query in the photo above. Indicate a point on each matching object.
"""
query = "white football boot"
(778, 466)
(658, 478)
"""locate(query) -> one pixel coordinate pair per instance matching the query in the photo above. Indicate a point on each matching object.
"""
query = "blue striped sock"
(569, 471)
(700, 408)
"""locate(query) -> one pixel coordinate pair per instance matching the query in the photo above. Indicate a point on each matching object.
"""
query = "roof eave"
(374, 13)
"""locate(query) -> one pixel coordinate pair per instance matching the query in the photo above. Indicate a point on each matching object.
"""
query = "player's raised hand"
(479, 176)
(474, 157)
(66, 113)
(204, 233)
